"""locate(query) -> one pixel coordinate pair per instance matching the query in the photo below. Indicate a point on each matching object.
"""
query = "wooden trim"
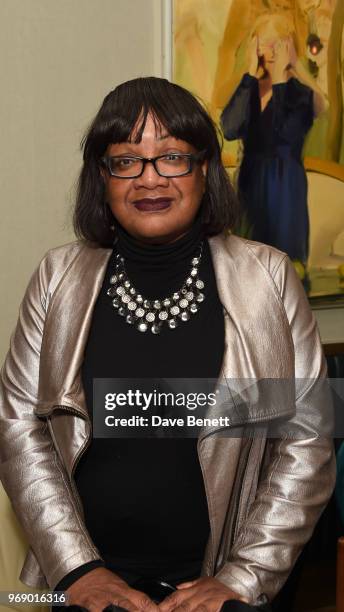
(311, 164)
(340, 576)
(335, 348)
(324, 166)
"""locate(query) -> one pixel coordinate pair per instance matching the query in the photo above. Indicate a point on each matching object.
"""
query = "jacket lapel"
(66, 331)
(256, 383)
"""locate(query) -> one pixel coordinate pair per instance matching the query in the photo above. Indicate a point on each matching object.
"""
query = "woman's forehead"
(150, 126)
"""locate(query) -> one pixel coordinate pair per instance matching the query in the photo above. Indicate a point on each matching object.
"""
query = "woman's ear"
(205, 168)
(102, 172)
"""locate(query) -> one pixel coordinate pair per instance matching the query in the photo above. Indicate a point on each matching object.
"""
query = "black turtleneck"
(144, 499)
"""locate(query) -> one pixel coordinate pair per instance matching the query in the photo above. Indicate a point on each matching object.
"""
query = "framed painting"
(271, 74)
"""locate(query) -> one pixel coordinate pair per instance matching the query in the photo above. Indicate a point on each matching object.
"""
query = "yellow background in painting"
(209, 57)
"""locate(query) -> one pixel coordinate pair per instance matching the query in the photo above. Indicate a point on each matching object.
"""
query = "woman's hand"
(293, 57)
(252, 55)
(100, 587)
(204, 595)
(279, 67)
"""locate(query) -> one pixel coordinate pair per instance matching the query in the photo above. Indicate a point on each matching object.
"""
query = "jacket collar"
(255, 323)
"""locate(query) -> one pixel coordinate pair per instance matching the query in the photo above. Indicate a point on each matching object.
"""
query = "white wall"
(58, 59)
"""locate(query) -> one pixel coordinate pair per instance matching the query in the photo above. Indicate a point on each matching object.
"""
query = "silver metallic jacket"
(264, 494)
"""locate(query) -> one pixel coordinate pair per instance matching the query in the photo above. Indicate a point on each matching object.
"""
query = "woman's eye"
(125, 161)
(173, 157)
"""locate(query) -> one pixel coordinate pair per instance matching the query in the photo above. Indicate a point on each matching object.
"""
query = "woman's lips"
(151, 204)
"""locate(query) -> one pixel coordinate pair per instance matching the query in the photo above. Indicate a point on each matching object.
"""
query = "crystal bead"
(142, 327)
(151, 314)
(112, 291)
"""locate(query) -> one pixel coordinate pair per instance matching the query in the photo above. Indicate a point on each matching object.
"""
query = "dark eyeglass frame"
(192, 158)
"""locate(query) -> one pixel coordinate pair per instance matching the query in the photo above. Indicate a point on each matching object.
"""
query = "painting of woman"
(271, 111)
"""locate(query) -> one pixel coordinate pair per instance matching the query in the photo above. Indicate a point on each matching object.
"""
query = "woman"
(272, 110)
(222, 517)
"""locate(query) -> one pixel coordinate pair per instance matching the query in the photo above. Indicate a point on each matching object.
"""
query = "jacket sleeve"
(30, 470)
(298, 473)
(236, 115)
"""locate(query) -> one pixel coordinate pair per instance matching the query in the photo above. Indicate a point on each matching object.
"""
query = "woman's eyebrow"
(161, 137)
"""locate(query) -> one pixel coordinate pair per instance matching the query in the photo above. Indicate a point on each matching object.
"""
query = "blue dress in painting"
(272, 183)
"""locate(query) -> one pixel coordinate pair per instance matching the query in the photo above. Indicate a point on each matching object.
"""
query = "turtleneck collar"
(159, 255)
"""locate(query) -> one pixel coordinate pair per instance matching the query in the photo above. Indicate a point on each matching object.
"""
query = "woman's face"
(267, 39)
(179, 198)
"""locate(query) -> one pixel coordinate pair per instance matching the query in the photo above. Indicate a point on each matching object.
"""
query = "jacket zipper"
(212, 556)
(239, 504)
(80, 452)
(211, 563)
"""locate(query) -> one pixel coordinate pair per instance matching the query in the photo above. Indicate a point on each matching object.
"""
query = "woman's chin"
(153, 231)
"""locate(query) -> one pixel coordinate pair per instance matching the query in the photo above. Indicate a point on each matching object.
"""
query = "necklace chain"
(146, 314)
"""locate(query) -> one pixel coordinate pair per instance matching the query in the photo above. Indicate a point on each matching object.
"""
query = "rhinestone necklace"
(153, 314)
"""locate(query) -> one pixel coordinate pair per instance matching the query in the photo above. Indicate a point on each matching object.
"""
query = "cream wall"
(58, 59)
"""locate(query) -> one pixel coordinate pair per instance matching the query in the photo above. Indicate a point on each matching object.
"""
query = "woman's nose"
(150, 177)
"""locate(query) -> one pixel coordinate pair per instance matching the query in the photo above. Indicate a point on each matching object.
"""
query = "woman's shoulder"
(67, 252)
(256, 269)
(57, 261)
(249, 253)
(298, 91)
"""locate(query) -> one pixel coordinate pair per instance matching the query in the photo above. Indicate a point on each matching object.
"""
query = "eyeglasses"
(169, 165)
